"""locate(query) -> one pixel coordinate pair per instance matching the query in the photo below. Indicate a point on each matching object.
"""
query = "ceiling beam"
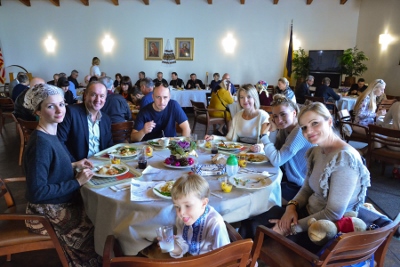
(146, 2)
(276, 2)
(85, 2)
(342, 2)
(209, 2)
(178, 2)
(115, 2)
(309, 2)
(242, 2)
(26, 2)
(55, 2)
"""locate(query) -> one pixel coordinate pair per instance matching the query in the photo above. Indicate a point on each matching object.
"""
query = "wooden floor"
(9, 151)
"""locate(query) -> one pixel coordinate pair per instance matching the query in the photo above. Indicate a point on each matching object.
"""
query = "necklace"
(40, 126)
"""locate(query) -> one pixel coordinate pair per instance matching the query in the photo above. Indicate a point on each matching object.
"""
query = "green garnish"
(119, 170)
(153, 143)
(168, 194)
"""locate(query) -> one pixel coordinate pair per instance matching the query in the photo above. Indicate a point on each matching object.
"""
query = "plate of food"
(125, 152)
(111, 170)
(179, 163)
(254, 158)
(229, 146)
(163, 189)
(250, 181)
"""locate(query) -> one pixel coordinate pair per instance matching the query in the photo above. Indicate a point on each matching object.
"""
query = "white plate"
(229, 149)
(158, 186)
(154, 144)
(263, 158)
(116, 153)
(126, 169)
(180, 167)
(250, 181)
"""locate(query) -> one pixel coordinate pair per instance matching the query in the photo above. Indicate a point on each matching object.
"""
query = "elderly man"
(304, 90)
(161, 115)
(146, 87)
(85, 130)
(226, 83)
(327, 92)
(160, 78)
(19, 110)
(55, 79)
(23, 82)
(176, 82)
(73, 78)
(116, 106)
(194, 83)
(14, 83)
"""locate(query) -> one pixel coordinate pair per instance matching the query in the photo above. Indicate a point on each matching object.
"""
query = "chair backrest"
(385, 136)
(4, 193)
(386, 104)
(393, 97)
(6, 104)
(355, 247)
(233, 254)
(315, 99)
(267, 109)
(198, 108)
(27, 127)
(121, 132)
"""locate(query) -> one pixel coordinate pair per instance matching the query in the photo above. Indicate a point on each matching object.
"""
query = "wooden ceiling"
(178, 2)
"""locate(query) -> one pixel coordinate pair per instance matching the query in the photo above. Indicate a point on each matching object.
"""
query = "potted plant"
(301, 64)
(352, 62)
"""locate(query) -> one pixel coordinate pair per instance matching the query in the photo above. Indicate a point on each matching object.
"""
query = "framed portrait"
(153, 48)
(184, 48)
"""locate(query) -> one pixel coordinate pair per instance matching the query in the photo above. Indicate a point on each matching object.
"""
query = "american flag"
(2, 69)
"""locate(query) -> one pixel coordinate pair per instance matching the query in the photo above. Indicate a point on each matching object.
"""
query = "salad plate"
(163, 189)
(250, 181)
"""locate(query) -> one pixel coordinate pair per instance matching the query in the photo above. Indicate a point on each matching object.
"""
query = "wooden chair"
(233, 254)
(208, 97)
(25, 129)
(349, 248)
(345, 122)
(14, 235)
(393, 97)
(386, 104)
(386, 137)
(202, 116)
(271, 89)
(6, 110)
(322, 100)
(121, 132)
(267, 109)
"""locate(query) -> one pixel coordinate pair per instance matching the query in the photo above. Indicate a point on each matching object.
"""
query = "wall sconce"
(296, 43)
(108, 44)
(229, 43)
(50, 44)
(385, 39)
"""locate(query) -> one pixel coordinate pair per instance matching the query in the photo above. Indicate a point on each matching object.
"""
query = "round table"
(134, 223)
(346, 102)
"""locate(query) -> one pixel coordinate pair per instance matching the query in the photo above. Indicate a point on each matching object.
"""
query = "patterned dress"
(363, 115)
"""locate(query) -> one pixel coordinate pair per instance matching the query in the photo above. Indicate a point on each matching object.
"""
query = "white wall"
(261, 30)
(377, 17)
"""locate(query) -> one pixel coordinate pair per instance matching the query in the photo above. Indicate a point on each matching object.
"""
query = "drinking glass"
(193, 137)
(165, 235)
(201, 144)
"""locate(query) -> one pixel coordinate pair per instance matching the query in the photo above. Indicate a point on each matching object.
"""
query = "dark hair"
(159, 72)
(216, 88)
(126, 80)
(192, 74)
(62, 82)
(174, 73)
(159, 83)
(216, 74)
(361, 80)
(142, 72)
(118, 75)
(22, 78)
(74, 71)
(93, 79)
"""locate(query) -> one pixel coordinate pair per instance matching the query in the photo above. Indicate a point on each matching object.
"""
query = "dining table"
(346, 102)
(132, 216)
(183, 96)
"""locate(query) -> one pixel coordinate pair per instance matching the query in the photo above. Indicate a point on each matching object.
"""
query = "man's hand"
(149, 126)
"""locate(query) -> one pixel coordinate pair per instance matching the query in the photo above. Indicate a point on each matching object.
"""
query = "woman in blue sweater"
(286, 146)
(52, 186)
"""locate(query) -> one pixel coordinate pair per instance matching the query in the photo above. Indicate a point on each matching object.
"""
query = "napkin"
(143, 191)
(151, 170)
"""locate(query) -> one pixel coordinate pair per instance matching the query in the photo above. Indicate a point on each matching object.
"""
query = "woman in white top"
(246, 124)
(94, 69)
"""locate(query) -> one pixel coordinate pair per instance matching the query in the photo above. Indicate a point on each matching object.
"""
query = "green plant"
(301, 64)
(352, 62)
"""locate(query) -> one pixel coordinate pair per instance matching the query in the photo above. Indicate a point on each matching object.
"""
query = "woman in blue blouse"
(284, 89)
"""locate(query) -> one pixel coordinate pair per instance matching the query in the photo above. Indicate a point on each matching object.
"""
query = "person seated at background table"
(247, 123)
(118, 78)
(86, 130)
(365, 108)
(71, 86)
(264, 96)
(93, 79)
(142, 75)
(147, 87)
(194, 83)
(22, 112)
(284, 89)
(200, 228)
(358, 88)
(52, 187)
(73, 78)
(125, 89)
(227, 84)
(392, 120)
(86, 81)
(116, 107)
(176, 82)
(220, 99)
(13, 83)
(64, 85)
(215, 82)
(336, 182)
(23, 82)
(286, 147)
(160, 78)
(159, 118)
(304, 89)
(329, 95)
(55, 79)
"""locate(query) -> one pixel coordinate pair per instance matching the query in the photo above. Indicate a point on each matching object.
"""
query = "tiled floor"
(9, 151)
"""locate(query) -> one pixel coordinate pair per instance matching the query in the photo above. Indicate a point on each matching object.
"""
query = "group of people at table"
(323, 176)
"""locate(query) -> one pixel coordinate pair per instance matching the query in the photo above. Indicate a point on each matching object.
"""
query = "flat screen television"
(325, 61)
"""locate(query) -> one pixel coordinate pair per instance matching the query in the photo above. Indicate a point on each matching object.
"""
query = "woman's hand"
(290, 216)
(277, 228)
(255, 148)
(272, 125)
(84, 176)
(83, 164)
(265, 128)
(209, 137)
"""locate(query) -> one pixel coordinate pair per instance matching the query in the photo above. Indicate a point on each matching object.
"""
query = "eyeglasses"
(158, 83)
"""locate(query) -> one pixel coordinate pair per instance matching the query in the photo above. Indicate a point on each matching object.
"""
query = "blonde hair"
(285, 81)
(372, 97)
(280, 99)
(95, 61)
(318, 108)
(252, 92)
(190, 184)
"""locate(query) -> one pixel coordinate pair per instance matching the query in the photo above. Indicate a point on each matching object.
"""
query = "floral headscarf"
(35, 96)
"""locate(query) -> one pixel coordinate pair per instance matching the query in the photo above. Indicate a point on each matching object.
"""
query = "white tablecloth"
(183, 97)
(134, 223)
(346, 102)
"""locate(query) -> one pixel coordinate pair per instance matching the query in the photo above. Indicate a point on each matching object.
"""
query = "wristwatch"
(293, 202)
(262, 135)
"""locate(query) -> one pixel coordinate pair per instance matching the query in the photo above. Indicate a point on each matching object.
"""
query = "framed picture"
(184, 48)
(153, 48)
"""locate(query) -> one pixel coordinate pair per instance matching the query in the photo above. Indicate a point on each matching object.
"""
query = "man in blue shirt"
(161, 115)
(23, 82)
(146, 87)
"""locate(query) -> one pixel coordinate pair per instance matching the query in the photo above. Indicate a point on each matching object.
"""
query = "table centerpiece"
(180, 152)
